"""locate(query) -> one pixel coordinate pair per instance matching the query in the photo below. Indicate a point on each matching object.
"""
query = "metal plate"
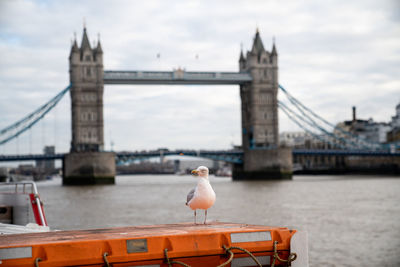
(250, 237)
(248, 261)
(136, 245)
(15, 253)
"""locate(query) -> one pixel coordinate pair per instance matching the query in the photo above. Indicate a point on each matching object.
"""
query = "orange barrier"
(157, 245)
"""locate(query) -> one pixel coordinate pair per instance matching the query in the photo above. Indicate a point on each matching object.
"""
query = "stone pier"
(265, 165)
(86, 168)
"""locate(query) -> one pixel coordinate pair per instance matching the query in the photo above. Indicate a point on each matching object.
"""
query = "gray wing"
(190, 196)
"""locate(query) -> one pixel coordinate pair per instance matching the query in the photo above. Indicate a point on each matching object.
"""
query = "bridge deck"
(175, 77)
(30, 157)
(233, 156)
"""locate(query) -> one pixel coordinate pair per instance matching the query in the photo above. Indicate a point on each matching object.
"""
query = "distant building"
(376, 132)
(47, 166)
(305, 140)
(394, 134)
(294, 139)
(368, 130)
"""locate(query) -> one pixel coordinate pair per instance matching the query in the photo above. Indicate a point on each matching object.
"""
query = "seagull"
(202, 196)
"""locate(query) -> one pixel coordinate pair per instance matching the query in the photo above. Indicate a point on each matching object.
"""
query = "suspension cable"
(300, 106)
(298, 103)
(27, 122)
(314, 125)
(304, 128)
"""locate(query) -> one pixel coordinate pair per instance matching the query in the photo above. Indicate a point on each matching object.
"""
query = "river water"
(350, 220)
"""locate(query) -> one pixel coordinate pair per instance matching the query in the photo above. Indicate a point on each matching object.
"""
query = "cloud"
(332, 55)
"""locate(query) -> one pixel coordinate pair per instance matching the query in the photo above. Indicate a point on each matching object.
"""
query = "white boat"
(21, 209)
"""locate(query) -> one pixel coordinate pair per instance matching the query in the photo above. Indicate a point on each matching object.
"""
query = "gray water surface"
(350, 220)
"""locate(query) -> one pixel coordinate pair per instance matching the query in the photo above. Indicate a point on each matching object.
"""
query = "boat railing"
(18, 185)
(21, 196)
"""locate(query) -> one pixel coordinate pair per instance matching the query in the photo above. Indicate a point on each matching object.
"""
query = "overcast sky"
(332, 55)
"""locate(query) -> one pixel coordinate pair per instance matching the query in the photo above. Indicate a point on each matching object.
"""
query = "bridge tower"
(87, 163)
(263, 158)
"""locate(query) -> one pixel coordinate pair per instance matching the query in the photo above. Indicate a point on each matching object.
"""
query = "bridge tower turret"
(86, 76)
(260, 130)
(87, 163)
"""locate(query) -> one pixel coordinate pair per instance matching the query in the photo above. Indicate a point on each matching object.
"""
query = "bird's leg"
(195, 217)
(205, 216)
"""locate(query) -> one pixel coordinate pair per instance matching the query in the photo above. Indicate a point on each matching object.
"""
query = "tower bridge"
(257, 79)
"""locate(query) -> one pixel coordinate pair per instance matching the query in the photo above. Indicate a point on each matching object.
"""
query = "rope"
(229, 250)
(106, 260)
(173, 262)
(37, 262)
(230, 257)
(292, 256)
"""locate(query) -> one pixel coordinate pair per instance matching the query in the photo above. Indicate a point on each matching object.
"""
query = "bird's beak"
(195, 172)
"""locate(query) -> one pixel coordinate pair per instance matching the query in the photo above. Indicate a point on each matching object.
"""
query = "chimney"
(354, 113)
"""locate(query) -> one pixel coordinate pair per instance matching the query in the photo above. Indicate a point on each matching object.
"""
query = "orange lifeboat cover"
(195, 245)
